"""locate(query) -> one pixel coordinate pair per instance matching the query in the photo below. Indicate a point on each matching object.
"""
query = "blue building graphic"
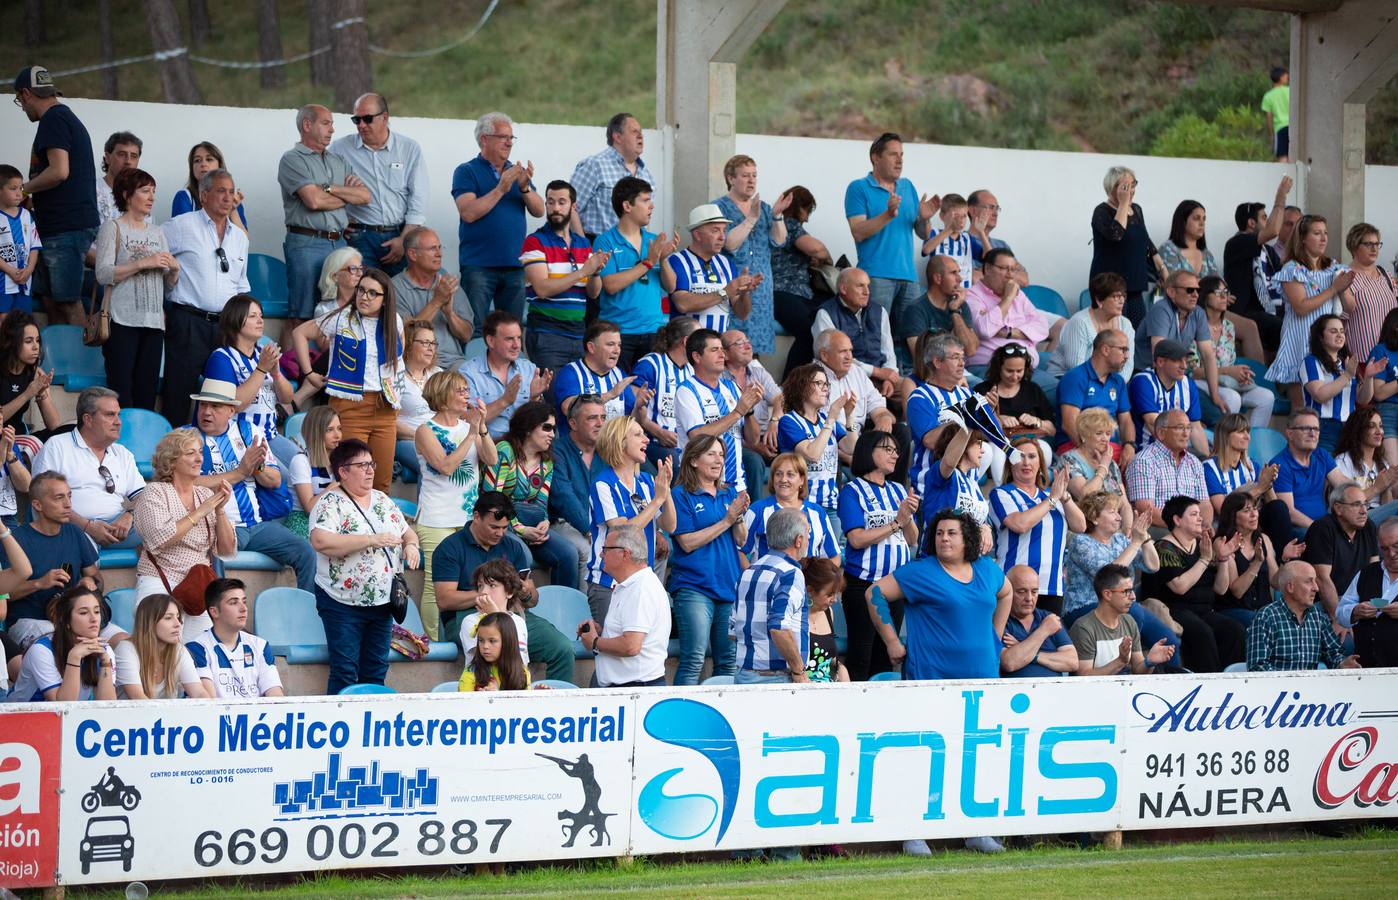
(362, 789)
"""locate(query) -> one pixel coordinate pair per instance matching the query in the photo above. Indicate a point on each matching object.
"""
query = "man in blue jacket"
(575, 466)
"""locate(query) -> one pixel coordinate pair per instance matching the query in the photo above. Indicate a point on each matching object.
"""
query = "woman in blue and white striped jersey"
(786, 486)
(816, 436)
(1033, 518)
(1335, 382)
(879, 519)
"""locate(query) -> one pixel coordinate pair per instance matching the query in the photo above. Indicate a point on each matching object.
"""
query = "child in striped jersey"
(954, 240)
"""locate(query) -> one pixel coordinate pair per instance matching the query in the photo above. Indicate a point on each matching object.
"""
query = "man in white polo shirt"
(631, 649)
(233, 664)
(101, 473)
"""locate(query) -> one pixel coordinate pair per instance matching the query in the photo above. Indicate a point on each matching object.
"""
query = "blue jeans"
(552, 351)
(1330, 433)
(556, 552)
(285, 546)
(1151, 628)
(405, 454)
(493, 287)
(1241, 616)
(358, 639)
(370, 246)
(703, 627)
(748, 676)
(755, 468)
(59, 275)
(894, 296)
(304, 255)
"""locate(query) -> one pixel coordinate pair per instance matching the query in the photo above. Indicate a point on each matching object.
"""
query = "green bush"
(1235, 133)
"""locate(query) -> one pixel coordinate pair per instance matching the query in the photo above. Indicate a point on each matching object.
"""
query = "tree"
(269, 44)
(354, 74)
(104, 27)
(318, 13)
(200, 29)
(176, 74)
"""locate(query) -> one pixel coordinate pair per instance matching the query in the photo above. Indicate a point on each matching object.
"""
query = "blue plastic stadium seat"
(267, 281)
(1085, 299)
(1281, 406)
(1236, 667)
(446, 687)
(367, 689)
(1046, 299)
(841, 628)
(111, 558)
(409, 509)
(123, 604)
(565, 608)
(141, 430)
(718, 679)
(287, 620)
(437, 651)
(292, 427)
(557, 684)
(1265, 444)
(285, 450)
(75, 366)
(251, 559)
(887, 676)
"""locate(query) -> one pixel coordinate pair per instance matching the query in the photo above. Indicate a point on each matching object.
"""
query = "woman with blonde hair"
(182, 524)
(787, 488)
(154, 664)
(624, 495)
(309, 470)
(706, 567)
(453, 445)
(1090, 464)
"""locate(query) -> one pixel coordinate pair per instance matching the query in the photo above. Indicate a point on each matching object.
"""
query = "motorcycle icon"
(111, 791)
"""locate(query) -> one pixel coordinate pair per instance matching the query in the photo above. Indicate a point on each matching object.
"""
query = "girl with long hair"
(496, 664)
(154, 664)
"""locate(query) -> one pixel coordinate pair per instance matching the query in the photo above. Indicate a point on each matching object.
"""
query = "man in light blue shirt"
(391, 167)
(501, 378)
(884, 212)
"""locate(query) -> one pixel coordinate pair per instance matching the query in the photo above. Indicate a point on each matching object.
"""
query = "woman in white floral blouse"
(360, 539)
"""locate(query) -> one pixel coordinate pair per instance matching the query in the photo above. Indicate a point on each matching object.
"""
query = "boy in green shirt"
(1276, 106)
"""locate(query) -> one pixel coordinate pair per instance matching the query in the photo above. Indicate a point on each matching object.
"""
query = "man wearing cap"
(700, 278)
(1164, 387)
(317, 187)
(391, 167)
(236, 455)
(63, 183)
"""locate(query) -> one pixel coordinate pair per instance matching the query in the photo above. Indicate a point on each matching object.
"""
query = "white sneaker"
(916, 848)
(984, 845)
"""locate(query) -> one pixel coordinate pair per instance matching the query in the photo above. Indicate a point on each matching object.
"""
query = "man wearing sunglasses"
(317, 188)
(213, 257)
(1178, 317)
(391, 168)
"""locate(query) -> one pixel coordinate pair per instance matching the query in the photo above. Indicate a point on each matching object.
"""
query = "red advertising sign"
(29, 760)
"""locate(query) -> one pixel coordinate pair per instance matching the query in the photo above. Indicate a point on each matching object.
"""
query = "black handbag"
(398, 594)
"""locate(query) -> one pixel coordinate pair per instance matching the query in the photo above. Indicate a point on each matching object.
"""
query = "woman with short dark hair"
(524, 473)
(255, 370)
(1107, 295)
(360, 539)
(131, 256)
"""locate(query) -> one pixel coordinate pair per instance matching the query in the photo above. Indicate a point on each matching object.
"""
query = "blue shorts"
(59, 276)
(1388, 414)
(1283, 142)
(16, 302)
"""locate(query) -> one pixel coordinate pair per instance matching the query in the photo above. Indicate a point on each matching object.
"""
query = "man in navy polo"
(1098, 382)
(1165, 387)
(1036, 645)
(884, 212)
(492, 194)
(1304, 471)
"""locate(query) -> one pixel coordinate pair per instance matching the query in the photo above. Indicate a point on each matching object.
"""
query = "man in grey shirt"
(391, 167)
(1178, 317)
(316, 187)
(425, 291)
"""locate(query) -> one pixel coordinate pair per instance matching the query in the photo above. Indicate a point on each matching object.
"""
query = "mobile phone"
(1380, 602)
(525, 573)
(585, 627)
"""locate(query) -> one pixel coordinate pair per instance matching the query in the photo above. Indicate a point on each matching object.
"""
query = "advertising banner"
(1259, 748)
(202, 788)
(29, 781)
(888, 761)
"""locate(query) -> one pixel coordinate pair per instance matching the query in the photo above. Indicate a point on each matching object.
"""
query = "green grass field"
(1357, 866)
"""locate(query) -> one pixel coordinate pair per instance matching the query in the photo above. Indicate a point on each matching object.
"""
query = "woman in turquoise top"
(755, 230)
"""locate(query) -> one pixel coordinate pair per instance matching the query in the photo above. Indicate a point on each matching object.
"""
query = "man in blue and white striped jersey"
(769, 617)
(700, 279)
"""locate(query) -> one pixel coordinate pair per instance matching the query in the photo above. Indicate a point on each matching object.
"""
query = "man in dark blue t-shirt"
(1036, 645)
(58, 553)
(63, 183)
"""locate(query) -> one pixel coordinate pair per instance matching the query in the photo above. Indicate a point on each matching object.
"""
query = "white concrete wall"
(1047, 197)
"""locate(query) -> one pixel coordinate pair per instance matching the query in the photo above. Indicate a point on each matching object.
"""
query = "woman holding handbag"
(182, 525)
(361, 542)
(133, 260)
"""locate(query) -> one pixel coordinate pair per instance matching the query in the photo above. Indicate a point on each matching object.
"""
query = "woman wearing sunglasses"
(1024, 409)
(523, 471)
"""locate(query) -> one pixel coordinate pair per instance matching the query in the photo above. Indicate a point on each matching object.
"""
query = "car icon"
(107, 838)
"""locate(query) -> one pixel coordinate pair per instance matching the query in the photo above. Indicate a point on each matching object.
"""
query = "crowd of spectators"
(986, 489)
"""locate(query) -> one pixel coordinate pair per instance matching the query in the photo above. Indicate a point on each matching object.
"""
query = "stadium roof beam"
(1342, 52)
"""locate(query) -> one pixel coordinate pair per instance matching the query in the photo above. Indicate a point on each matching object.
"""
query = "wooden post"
(1111, 840)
